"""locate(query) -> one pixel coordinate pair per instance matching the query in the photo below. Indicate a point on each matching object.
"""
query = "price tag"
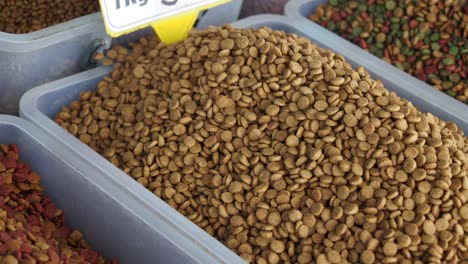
(172, 19)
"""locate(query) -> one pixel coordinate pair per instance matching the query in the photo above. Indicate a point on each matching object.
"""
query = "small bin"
(32, 59)
(96, 205)
(405, 85)
(41, 104)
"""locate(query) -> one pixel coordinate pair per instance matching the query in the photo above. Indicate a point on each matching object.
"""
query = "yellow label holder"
(170, 29)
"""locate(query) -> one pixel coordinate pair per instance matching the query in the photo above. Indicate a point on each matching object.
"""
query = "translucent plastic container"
(113, 222)
(31, 59)
(41, 105)
(28, 60)
(407, 86)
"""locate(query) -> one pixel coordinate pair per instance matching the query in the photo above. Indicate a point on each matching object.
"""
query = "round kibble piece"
(282, 150)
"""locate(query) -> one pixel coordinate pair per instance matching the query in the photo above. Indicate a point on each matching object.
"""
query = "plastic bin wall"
(28, 60)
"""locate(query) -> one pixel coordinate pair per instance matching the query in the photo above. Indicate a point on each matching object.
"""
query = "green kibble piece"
(400, 66)
(390, 5)
(405, 50)
(357, 31)
(426, 52)
(454, 50)
(448, 61)
(435, 46)
(454, 77)
(451, 93)
(435, 37)
(333, 2)
(331, 26)
(398, 43)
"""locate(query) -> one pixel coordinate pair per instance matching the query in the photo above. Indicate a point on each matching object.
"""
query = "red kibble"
(450, 68)
(364, 14)
(4, 237)
(411, 59)
(25, 248)
(420, 75)
(343, 14)
(32, 212)
(413, 23)
(419, 45)
(443, 42)
(385, 29)
(430, 69)
(9, 163)
(3, 249)
(53, 255)
(336, 16)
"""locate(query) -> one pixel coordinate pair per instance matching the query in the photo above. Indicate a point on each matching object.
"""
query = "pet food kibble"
(281, 150)
(24, 16)
(32, 229)
(425, 38)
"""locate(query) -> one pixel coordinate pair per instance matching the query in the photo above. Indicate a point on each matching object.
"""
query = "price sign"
(124, 16)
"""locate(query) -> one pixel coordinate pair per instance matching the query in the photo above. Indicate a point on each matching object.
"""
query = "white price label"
(126, 15)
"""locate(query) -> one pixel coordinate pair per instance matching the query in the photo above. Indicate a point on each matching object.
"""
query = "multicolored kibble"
(32, 229)
(427, 38)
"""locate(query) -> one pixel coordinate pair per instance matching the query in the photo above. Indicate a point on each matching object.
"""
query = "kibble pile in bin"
(281, 150)
(25, 16)
(428, 39)
(32, 228)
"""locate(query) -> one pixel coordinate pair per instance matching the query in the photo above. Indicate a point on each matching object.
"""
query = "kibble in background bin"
(43, 103)
(28, 60)
(31, 59)
(401, 82)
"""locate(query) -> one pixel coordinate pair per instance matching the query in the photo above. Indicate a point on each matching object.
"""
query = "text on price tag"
(124, 16)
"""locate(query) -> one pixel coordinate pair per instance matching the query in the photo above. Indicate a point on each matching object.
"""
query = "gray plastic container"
(41, 104)
(420, 93)
(32, 59)
(28, 60)
(114, 222)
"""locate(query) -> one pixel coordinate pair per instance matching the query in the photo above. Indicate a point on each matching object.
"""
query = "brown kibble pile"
(24, 16)
(281, 150)
(32, 229)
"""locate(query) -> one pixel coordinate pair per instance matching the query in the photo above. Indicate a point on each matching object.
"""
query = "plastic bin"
(420, 93)
(114, 223)
(41, 104)
(32, 59)
(28, 60)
